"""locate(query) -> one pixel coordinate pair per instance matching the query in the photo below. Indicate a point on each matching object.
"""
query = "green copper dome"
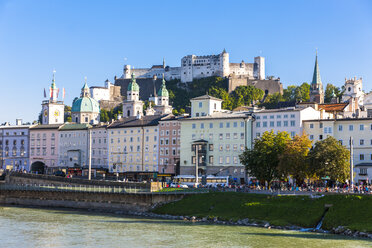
(133, 86)
(163, 90)
(85, 104)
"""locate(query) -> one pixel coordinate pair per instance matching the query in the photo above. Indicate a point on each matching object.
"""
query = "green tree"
(331, 92)
(245, 96)
(293, 161)
(67, 116)
(328, 158)
(263, 160)
(297, 93)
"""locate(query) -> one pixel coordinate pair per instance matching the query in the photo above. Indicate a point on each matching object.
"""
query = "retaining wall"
(84, 200)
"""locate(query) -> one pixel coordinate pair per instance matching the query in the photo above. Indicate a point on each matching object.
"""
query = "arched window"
(128, 113)
(76, 119)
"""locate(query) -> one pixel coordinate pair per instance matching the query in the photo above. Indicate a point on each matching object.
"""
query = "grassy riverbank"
(353, 212)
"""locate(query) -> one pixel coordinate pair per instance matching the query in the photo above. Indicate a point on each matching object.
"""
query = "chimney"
(18, 122)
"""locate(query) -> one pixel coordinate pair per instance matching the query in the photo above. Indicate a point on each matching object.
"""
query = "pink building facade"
(44, 148)
(169, 145)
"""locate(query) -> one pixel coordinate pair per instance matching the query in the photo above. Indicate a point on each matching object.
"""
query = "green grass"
(354, 212)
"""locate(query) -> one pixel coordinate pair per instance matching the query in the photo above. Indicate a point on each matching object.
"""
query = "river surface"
(30, 227)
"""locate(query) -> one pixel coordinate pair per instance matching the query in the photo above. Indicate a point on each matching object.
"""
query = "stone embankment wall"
(111, 202)
(32, 179)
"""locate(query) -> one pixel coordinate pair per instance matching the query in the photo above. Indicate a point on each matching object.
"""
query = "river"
(30, 227)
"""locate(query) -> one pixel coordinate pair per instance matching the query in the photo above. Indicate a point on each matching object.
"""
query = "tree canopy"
(263, 160)
(328, 158)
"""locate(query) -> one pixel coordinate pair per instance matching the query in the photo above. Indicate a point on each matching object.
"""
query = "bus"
(210, 180)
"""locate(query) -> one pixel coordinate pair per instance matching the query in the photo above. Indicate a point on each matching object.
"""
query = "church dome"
(163, 89)
(133, 86)
(85, 104)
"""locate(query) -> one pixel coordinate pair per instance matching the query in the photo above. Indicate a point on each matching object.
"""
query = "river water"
(30, 227)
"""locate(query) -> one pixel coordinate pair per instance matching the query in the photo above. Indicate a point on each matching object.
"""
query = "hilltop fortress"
(196, 67)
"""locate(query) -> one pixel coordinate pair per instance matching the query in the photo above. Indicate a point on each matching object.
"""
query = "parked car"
(177, 185)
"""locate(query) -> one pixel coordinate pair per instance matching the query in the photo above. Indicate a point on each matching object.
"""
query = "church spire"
(316, 76)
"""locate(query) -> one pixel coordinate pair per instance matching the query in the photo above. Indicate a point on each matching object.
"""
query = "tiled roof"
(152, 120)
(206, 97)
(73, 126)
(332, 107)
(50, 126)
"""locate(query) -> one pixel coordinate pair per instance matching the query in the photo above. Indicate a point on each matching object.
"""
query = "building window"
(339, 127)
(227, 159)
(235, 124)
(242, 147)
(228, 147)
(361, 142)
(320, 125)
(221, 136)
(221, 124)
(202, 125)
(235, 159)
(264, 124)
(221, 148)
(293, 134)
(271, 117)
(258, 124)
(210, 147)
(200, 104)
(193, 137)
(361, 127)
(211, 136)
(285, 123)
(211, 125)
(278, 123)
(271, 124)
(293, 123)
(311, 125)
(235, 135)
(320, 137)
(228, 136)
(361, 156)
(351, 127)
(311, 137)
(210, 159)
(221, 160)
(235, 147)
(193, 126)
(227, 124)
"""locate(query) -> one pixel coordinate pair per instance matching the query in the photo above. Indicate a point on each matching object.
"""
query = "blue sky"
(96, 38)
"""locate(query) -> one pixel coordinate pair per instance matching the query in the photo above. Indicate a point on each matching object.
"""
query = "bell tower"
(53, 111)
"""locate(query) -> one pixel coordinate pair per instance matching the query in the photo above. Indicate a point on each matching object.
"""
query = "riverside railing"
(74, 188)
(94, 189)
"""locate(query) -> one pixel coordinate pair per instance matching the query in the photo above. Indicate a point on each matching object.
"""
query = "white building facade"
(214, 140)
(288, 120)
(73, 145)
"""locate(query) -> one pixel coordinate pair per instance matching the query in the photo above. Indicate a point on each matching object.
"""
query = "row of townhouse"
(209, 141)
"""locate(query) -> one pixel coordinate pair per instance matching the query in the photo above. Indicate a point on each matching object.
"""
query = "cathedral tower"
(132, 106)
(316, 87)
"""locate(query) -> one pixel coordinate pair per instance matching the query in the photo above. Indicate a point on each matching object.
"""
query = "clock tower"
(53, 111)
